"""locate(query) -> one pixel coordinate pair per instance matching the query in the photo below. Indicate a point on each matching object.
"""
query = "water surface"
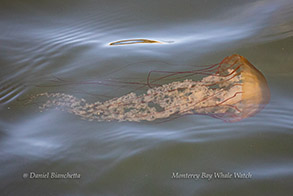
(51, 40)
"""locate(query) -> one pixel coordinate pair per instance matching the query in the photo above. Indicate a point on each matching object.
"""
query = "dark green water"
(44, 40)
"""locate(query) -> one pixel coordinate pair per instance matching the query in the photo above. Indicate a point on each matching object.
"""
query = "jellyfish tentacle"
(170, 73)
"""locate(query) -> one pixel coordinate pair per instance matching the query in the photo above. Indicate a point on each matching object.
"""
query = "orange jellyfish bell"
(255, 92)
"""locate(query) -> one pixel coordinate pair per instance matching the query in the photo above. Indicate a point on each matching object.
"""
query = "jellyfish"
(231, 90)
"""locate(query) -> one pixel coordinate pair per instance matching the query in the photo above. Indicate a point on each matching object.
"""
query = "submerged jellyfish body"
(230, 90)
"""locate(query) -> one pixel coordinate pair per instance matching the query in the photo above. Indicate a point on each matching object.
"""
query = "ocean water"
(44, 43)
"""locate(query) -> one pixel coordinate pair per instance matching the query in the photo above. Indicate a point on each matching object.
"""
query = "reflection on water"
(42, 41)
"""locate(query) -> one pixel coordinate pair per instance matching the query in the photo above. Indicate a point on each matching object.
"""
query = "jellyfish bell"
(231, 90)
(255, 92)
